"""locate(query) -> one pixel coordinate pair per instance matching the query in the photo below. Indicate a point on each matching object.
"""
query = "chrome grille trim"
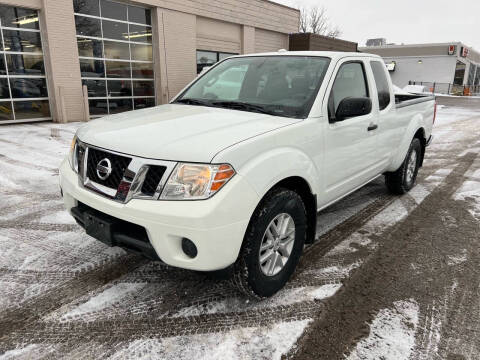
(132, 179)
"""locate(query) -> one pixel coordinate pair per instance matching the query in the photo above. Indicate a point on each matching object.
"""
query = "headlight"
(72, 156)
(196, 181)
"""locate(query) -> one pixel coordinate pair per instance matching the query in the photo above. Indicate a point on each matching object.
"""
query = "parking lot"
(392, 277)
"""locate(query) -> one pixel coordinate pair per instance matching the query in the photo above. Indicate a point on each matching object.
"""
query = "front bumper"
(216, 226)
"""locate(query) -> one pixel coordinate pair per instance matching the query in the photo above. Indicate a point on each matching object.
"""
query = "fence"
(448, 89)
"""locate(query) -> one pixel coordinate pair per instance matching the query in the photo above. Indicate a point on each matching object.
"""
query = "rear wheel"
(272, 245)
(402, 180)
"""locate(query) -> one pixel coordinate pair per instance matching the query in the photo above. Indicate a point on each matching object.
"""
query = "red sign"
(452, 49)
(464, 52)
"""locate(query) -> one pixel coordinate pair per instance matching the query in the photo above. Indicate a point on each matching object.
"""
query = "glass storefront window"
(92, 68)
(140, 33)
(114, 10)
(28, 88)
(114, 44)
(6, 112)
(141, 52)
(142, 70)
(98, 107)
(31, 109)
(3, 70)
(119, 88)
(22, 41)
(4, 89)
(143, 88)
(88, 26)
(23, 84)
(115, 30)
(90, 47)
(96, 88)
(25, 64)
(118, 69)
(116, 50)
(143, 103)
(89, 7)
(119, 105)
(139, 15)
(17, 17)
(459, 73)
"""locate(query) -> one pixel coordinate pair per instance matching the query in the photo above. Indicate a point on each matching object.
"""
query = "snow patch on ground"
(470, 191)
(16, 353)
(59, 217)
(282, 298)
(457, 259)
(249, 343)
(106, 298)
(392, 334)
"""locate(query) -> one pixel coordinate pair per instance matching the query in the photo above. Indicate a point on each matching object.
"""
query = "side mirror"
(351, 107)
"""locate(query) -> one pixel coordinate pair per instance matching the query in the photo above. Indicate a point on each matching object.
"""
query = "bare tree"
(316, 21)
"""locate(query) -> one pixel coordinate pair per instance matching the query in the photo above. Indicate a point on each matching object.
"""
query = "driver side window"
(349, 82)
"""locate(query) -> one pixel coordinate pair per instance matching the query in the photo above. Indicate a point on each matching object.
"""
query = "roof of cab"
(329, 54)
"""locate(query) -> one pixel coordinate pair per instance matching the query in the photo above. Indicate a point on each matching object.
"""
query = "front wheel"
(402, 180)
(272, 245)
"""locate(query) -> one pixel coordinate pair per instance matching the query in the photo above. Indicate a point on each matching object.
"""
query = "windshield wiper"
(237, 105)
(192, 102)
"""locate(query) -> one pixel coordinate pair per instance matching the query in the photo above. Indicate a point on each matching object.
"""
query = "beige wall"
(266, 41)
(218, 35)
(62, 65)
(180, 43)
(248, 39)
(257, 13)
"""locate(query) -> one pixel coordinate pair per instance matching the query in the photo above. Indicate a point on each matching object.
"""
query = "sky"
(407, 21)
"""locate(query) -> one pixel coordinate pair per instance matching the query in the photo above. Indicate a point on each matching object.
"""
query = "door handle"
(372, 127)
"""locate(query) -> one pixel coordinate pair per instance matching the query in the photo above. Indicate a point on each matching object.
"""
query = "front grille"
(119, 165)
(152, 179)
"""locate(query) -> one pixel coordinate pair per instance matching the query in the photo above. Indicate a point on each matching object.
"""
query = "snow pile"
(248, 343)
(392, 334)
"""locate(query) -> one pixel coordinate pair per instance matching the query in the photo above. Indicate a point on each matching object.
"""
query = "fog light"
(189, 248)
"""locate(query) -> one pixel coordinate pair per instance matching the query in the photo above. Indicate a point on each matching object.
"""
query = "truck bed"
(402, 100)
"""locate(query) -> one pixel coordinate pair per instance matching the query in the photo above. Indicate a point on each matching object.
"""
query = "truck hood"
(177, 132)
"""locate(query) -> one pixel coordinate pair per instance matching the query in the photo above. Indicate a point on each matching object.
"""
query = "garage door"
(270, 41)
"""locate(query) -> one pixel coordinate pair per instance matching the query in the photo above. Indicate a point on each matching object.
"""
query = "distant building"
(377, 42)
(315, 42)
(443, 63)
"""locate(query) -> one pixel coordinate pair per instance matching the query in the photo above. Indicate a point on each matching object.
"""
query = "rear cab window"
(383, 88)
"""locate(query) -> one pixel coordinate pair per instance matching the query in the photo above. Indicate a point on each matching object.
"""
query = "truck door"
(389, 124)
(350, 157)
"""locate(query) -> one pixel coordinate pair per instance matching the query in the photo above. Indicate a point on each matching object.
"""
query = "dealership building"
(129, 54)
(453, 64)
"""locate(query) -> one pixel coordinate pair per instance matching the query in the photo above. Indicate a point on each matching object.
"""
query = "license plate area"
(99, 227)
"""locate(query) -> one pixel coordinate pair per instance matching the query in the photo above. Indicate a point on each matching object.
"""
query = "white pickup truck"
(231, 174)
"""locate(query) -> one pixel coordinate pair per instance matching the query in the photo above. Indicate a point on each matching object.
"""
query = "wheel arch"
(420, 135)
(301, 186)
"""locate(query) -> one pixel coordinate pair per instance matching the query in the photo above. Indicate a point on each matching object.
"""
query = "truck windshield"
(276, 85)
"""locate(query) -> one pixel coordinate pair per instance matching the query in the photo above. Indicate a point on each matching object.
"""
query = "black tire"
(398, 182)
(247, 274)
